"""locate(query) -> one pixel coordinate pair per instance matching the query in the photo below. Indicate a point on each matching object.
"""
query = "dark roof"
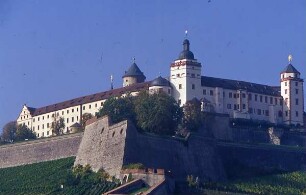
(31, 110)
(133, 71)
(76, 125)
(186, 53)
(160, 81)
(91, 98)
(290, 69)
(236, 85)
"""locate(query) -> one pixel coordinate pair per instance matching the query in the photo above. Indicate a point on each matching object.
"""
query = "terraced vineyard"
(287, 183)
(47, 178)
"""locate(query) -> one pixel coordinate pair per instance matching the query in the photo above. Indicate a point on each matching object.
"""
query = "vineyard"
(287, 183)
(52, 177)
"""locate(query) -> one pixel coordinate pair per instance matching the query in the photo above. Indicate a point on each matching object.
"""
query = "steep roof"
(290, 69)
(236, 85)
(133, 71)
(91, 98)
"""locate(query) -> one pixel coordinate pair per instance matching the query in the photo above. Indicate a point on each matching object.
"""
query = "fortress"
(282, 104)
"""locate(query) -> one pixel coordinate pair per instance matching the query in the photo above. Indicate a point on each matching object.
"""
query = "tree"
(9, 131)
(118, 109)
(58, 126)
(23, 132)
(192, 115)
(157, 113)
(85, 118)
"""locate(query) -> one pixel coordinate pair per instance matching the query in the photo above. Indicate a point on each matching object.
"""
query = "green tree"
(118, 109)
(192, 119)
(23, 132)
(85, 118)
(9, 131)
(157, 113)
(58, 126)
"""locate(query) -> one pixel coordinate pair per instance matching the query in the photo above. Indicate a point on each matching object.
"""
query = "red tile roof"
(90, 98)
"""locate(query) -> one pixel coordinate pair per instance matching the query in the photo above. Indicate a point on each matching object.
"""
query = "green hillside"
(47, 178)
(287, 183)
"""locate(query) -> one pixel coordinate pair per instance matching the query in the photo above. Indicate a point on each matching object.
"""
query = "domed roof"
(160, 81)
(133, 71)
(186, 53)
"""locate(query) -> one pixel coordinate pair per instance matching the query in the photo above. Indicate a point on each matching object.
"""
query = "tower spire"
(112, 79)
(290, 58)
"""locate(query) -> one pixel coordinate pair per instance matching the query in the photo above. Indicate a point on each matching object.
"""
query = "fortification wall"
(121, 144)
(39, 150)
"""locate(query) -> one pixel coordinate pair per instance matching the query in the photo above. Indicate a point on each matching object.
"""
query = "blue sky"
(51, 51)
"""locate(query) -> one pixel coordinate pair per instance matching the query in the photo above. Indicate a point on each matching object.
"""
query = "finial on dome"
(290, 58)
(186, 33)
(134, 59)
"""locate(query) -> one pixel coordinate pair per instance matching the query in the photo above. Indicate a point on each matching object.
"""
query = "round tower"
(133, 75)
(159, 85)
(293, 95)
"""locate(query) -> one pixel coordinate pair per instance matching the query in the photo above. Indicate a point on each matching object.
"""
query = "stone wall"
(39, 150)
(111, 146)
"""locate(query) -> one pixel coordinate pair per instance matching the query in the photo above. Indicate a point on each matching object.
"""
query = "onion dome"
(160, 81)
(134, 71)
(186, 53)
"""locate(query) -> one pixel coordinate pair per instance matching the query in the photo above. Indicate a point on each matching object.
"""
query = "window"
(266, 99)
(43, 117)
(67, 111)
(33, 120)
(286, 113)
(101, 103)
(235, 107)
(280, 102)
(192, 75)
(229, 106)
(267, 112)
(193, 86)
(235, 95)
(67, 120)
(179, 102)
(260, 98)
(271, 100)
(296, 91)
(72, 110)
(230, 95)
(296, 101)
(48, 116)
(286, 101)
(62, 112)
(38, 119)
(204, 91)
(177, 75)
(211, 92)
(296, 113)
(285, 83)
(43, 126)
(286, 91)
(223, 94)
(180, 86)
(77, 109)
(250, 96)
(258, 111)
(89, 106)
(275, 99)
(250, 110)
(255, 97)
(47, 125)
(169, 91)
(243, 106)
(72, 119)
(37, 134)
(83, 107)
(96, 105)
(47, 132)
(243, 95)
(77, 118)
(33, 128)
(238, 106)
(296, 84)
(280, 113)
(37, 127)
(42, 134)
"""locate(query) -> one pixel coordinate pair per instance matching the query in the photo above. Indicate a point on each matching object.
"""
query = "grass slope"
(287, 183)
(46, 178)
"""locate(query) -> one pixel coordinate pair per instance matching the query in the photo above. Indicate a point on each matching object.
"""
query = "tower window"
(193, 86)
(296, 101)
(230, 95)
(255, 97)
(266, 99)
(296, 113)
(275, 101)
(286, 91)
(260, 97)
(243, 106)
(67, 120)
(72, 110)
(204, 91)
(211, 92)
(296, 91)
(286, 113)
(180, 86)
(285, 83)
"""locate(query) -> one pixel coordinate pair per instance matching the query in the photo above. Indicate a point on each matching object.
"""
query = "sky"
(56, 50)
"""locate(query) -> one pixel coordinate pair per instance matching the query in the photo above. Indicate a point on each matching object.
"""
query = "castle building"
(282, 104)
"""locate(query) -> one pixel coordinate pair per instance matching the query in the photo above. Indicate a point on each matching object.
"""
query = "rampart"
(39, 150)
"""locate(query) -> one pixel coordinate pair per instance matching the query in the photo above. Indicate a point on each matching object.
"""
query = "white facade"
(239, 99)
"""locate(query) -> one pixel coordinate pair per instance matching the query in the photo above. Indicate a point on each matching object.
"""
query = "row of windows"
(296, 91)
(296, 114)
(89, 106)
(48, 125)
(296, 83)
